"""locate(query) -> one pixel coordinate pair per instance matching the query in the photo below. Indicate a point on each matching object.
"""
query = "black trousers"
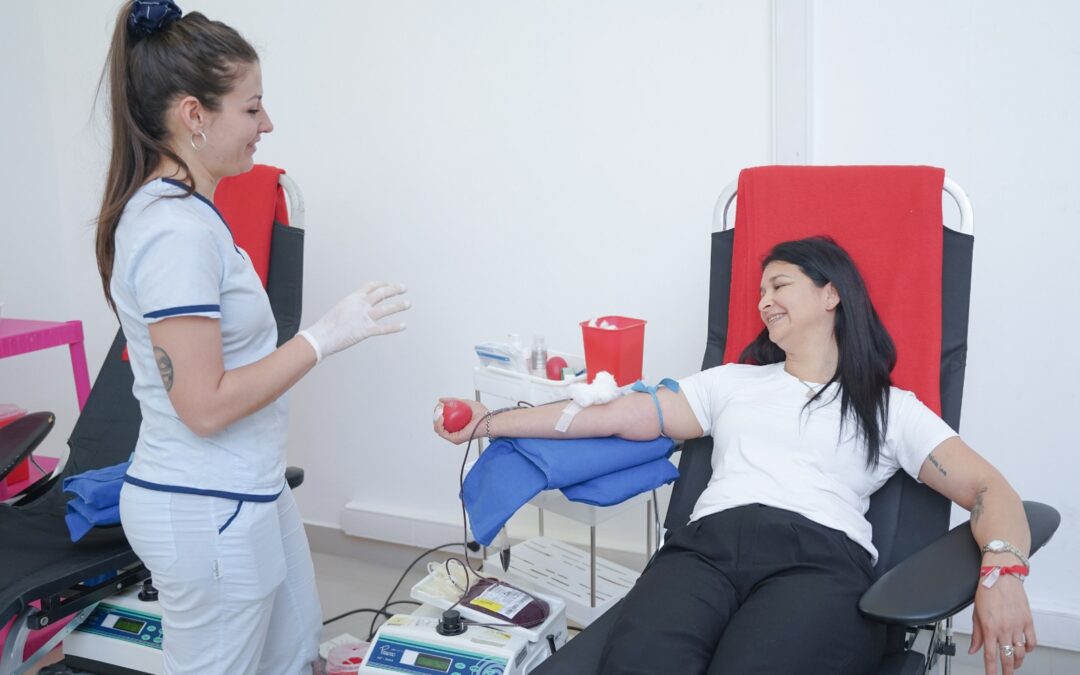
(749, 590)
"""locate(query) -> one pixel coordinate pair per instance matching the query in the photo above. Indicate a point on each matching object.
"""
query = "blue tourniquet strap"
(651, 391)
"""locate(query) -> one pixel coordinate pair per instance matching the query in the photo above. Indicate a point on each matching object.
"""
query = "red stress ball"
(555, 367)
(455, 414)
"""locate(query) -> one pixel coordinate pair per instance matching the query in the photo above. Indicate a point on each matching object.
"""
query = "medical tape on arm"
(568, 414)
(671, 384)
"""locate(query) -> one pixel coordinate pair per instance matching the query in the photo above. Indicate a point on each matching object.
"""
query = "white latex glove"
(355, 318)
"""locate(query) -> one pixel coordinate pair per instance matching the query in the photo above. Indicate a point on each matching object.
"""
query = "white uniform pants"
(239, 601)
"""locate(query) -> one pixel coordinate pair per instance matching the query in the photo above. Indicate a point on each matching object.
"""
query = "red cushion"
(887, 217)
(249, 203)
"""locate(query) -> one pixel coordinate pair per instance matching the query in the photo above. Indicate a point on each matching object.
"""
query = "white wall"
(501, 157)
(989, 91)
(521, 166)
(50, 180)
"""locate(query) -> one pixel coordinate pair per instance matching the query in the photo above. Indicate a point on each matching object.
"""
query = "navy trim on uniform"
(232, 517)
(186, 309)
(204, 200)
(239, 496)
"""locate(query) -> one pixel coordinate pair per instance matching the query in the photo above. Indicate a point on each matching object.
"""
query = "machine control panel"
(409, 644)
(122, 623)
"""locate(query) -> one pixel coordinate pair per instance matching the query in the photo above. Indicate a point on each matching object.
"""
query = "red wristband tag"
(989, 574)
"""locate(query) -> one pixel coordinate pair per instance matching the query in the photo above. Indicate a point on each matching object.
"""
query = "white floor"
(356, 574)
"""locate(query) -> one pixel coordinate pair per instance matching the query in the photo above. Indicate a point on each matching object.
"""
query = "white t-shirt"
(177, 257)
(768, 450)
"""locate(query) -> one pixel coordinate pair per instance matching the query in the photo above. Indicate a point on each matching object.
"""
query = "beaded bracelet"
(493, 413)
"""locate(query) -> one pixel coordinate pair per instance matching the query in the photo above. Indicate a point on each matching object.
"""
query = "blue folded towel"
(598, 471)
(96, 501)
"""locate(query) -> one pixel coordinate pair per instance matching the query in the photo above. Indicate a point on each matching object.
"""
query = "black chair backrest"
(285, 279)
(108, 426)
(904, 514)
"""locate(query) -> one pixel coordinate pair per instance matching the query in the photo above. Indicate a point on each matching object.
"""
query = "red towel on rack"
(250, 203)
(887, 217)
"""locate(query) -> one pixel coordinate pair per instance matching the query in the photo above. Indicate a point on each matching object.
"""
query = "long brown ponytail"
(145, 72)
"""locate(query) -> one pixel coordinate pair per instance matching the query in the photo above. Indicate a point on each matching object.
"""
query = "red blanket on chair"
(250, 203)
(887, 217)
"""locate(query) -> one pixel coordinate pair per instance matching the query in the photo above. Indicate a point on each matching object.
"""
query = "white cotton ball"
(602, 390)
(605, 380)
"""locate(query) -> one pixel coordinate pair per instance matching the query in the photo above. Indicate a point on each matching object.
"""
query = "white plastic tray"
(550, 625)
(516, 386)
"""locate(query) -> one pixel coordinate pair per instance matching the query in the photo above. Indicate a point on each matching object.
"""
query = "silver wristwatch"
(1002, 546)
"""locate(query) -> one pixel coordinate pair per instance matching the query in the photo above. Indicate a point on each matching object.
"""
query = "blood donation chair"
(46, 581)
(926, 572)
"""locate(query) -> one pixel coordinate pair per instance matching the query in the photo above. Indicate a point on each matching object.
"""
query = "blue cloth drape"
(599, 471)
(96, 501)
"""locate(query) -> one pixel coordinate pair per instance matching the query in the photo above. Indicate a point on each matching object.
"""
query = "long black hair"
(867, 354)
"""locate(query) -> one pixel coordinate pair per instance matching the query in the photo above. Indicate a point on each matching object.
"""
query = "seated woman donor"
(766, 576)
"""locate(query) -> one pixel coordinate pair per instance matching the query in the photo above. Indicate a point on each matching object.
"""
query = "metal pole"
(648, 529)
(479, 449)
(592, 566)
(948, 641)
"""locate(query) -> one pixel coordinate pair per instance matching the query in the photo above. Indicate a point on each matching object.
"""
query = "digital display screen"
(434, 662)
(128, 625)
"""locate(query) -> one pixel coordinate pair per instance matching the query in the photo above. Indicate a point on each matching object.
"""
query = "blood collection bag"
(502, 601)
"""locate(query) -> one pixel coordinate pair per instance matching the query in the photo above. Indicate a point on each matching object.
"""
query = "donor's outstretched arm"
(633, 417)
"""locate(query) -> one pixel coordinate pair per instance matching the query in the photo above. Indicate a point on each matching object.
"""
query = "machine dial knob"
(451, 623)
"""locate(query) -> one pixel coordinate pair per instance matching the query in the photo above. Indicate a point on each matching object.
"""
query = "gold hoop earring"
(196, 146)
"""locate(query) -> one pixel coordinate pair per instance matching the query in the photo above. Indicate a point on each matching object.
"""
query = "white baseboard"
(359, 521)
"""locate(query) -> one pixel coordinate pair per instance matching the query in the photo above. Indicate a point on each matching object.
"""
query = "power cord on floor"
(466, 545)
(465, 529)
(388, 604)
(372, 628)
(377, 612)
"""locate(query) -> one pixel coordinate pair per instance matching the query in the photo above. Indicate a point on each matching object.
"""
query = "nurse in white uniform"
(204, 503)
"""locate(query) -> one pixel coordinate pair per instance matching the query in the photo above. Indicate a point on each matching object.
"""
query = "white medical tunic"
(175, 256)
(768, 448)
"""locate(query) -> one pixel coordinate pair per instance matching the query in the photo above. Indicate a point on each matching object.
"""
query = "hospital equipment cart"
(565, 562)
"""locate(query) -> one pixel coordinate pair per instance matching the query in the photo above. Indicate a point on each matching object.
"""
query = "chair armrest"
(18, 439)
(940, 580)
(294, 476)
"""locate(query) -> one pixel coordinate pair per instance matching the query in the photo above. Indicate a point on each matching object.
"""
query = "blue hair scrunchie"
(149, 16)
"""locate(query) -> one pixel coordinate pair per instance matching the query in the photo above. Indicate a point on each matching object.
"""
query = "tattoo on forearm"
(165, 367)
(977, 509)
(937, 465)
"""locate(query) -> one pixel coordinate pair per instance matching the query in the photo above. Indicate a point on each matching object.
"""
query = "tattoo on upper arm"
(165, 367)
(937, 465)
(977, 508)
